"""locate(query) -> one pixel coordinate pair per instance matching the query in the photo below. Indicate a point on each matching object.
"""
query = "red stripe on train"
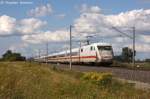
(87, 57)
(79, 57)
(74, 57)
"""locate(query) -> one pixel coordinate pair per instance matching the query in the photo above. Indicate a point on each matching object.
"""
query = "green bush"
(23, 80)
(11, 56)
(54, 67)
(99, 78)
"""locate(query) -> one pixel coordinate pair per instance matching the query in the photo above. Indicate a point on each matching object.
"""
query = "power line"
(46, 57)
(131, 37)
(71, 47)
(121, 32)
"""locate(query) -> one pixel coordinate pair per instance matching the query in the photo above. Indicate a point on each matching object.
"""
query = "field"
(138, 65)
(23, 80)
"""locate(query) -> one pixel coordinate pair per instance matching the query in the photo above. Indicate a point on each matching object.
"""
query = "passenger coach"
(94, 53)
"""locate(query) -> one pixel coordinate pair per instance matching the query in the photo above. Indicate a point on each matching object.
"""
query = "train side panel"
(94, 53)
(88, 54)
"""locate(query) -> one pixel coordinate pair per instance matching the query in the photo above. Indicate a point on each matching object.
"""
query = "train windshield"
(108, 48)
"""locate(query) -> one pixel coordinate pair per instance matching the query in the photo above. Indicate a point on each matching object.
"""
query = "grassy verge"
(140, 66)
(20, 80)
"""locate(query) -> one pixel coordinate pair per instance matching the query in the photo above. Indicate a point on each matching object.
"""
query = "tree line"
(12, 56)
(126, 55)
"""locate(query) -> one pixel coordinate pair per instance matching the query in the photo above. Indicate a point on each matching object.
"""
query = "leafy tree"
(127, 54)
(9, 56)
(118, 58)
(147, 60)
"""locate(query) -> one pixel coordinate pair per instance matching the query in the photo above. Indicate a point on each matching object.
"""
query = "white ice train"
(95, 53)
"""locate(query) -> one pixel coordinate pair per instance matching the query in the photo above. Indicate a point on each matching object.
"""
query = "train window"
(74, 53)
(91, 48)
(81, 50)
(104, 47)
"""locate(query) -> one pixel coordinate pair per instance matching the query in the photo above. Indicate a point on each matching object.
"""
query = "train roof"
(76, 49)
(102, 44)
(64, 52)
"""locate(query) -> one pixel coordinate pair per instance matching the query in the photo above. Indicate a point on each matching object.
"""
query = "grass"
(145, 65)
(140, 66)
(21, 80)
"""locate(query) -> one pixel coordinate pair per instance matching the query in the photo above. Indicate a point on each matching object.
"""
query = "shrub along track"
(134, 75)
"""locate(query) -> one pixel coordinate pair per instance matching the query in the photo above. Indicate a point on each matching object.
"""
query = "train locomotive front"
(97, 53)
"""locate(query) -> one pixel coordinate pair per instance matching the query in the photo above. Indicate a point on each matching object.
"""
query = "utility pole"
(46, 57)
(133, 45)
(79, 52)
(87, 39)
(70, 47)
(133, 61)
(39, 55)
(80, 43)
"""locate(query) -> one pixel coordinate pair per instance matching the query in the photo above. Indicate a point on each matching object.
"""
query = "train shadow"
(87, 64)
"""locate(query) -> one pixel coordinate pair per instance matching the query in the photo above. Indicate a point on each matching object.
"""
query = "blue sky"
(63, 13)
(69, 8)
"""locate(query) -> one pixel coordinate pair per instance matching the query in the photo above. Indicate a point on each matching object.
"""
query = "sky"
(27, 25)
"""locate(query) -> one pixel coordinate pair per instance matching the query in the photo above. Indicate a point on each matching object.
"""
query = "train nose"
(106, 55)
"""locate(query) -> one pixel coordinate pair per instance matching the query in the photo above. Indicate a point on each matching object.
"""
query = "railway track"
(133, 75)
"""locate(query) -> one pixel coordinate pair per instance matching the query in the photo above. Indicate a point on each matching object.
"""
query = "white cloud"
(7, 25)
(145, 38)
(138, 18)
(24, 48)
(100, 23)
(121, 39)
(31, 25)
(18, 47)
(48, 36)
(42, 10)
(94, 9)
(141, 47)
(90, 22)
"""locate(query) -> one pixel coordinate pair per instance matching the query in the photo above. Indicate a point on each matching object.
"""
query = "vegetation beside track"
(22, 80)
(138, 65)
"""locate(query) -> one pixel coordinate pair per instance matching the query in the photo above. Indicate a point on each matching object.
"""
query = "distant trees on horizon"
(147, 60)
(12, 56)
(126, 55)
